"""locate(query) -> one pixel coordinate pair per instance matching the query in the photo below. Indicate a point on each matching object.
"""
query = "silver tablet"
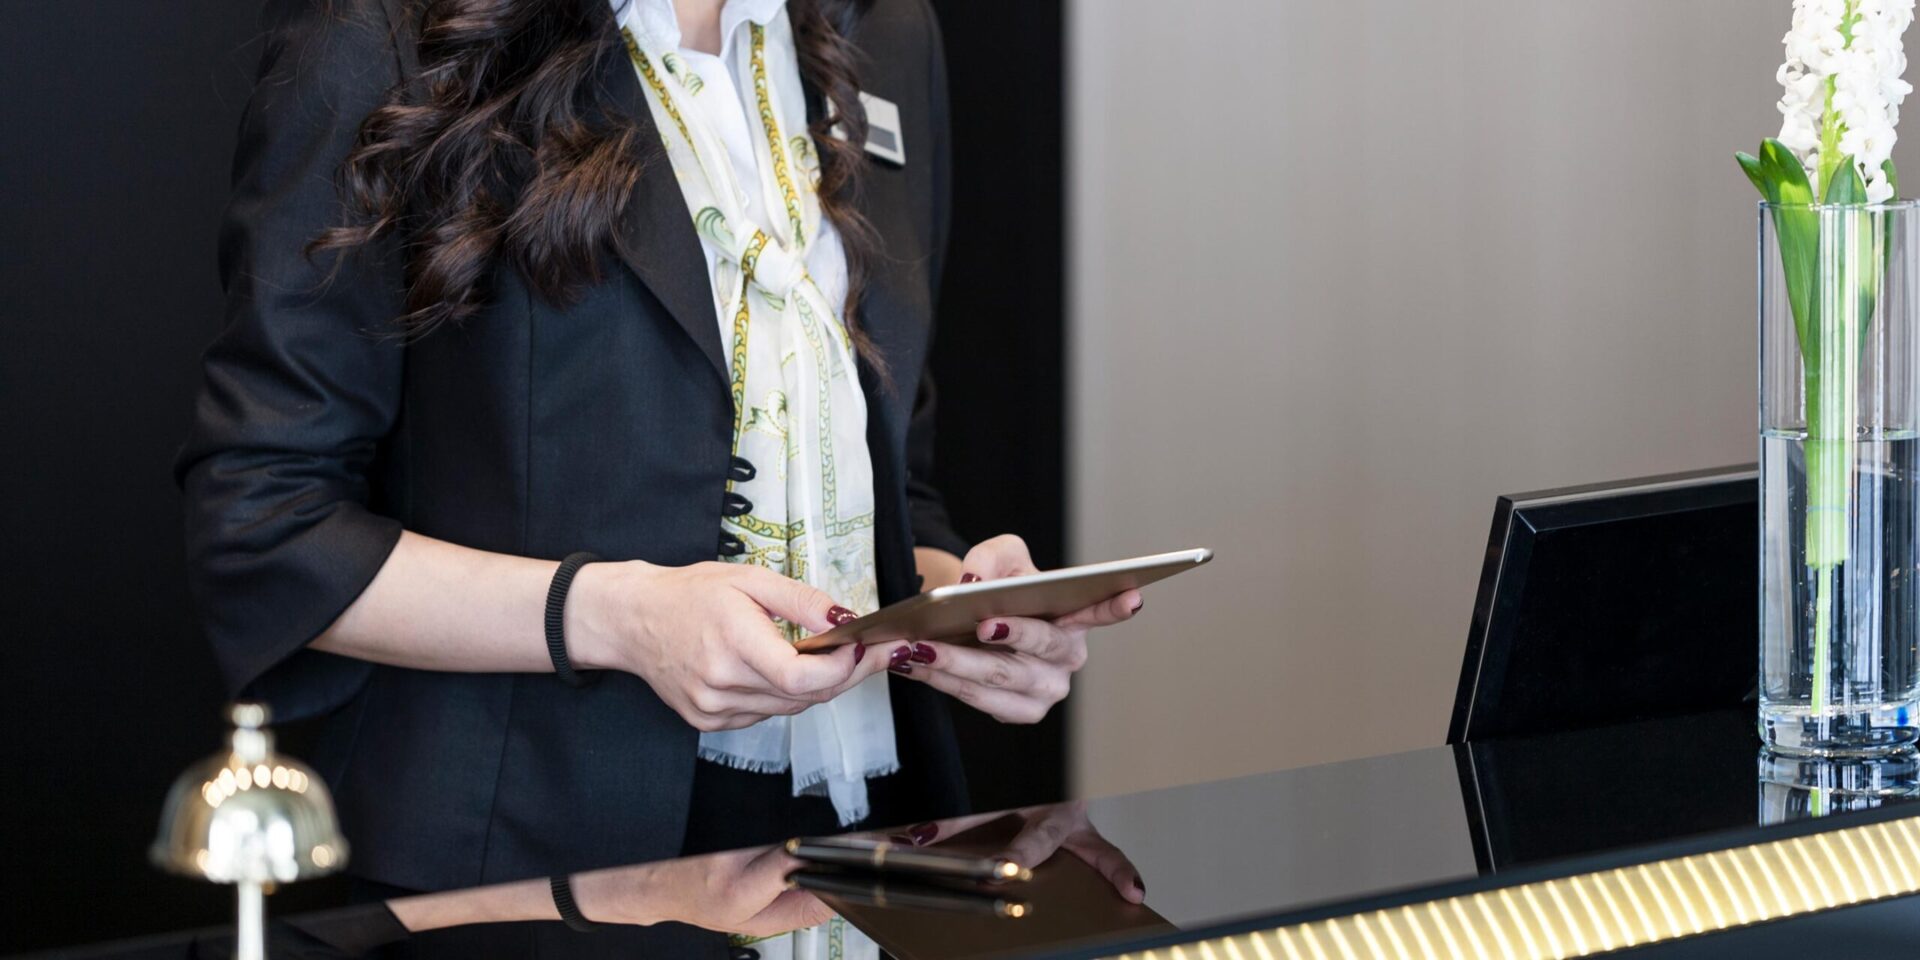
(952, 612)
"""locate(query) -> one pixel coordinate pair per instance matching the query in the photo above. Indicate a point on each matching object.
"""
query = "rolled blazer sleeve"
(932, 527)
(300, 388)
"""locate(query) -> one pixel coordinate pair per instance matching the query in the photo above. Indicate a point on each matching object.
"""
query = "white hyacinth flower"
(1851, 50)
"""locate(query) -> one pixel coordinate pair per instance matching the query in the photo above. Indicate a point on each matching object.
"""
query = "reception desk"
(1670, 837)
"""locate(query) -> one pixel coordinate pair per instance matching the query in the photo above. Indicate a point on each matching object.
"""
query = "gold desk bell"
(252, 818)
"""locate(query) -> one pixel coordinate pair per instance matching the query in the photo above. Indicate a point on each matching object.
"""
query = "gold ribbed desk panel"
(1605, 910)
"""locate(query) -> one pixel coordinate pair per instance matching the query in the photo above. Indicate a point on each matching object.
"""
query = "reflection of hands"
(744, 891)
(740, 892)
(1045, 830)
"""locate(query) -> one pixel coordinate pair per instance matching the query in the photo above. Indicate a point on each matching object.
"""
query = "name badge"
(883, 129)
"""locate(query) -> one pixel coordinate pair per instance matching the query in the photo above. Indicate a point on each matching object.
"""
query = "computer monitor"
(1614, 602)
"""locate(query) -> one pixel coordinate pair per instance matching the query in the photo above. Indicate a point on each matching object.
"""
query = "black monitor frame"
(1520, 520)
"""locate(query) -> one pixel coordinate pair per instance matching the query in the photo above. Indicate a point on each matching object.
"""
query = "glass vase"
(1802, 787)
(1839, 478)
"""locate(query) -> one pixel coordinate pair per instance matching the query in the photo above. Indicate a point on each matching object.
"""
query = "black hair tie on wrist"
(556, 628)
(569, 911)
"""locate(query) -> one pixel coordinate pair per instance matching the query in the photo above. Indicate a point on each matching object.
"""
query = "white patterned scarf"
(799, 416)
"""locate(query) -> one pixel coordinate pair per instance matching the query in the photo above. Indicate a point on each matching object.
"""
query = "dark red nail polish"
(905, 669)
(969, 578)
(838, 615)
(1000, 631)
(922, 653)
(923, 834)
(859, 653)
(897, 660)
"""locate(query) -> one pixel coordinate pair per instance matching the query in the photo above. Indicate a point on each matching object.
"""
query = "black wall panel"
(118, 123)
(118, 120)
(1000, 352)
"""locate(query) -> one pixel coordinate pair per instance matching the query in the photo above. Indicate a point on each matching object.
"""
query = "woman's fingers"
(1003, 556)
(989, 668)
(746, 699)
(1087, 844)
(1003, 684)
(765, 872)
(922, 834)
(790, 673)
(764, 894)
(791, 600)
(871, 660)
(748, 703)
(1036, 638)
(1006, 706)
(867, 661)
(791, 910)
(752, 708)
(1064, 826)
(1106, 613)
(760, 645)
(1044, 833)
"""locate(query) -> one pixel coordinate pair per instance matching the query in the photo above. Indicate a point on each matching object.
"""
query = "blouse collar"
(656, 18)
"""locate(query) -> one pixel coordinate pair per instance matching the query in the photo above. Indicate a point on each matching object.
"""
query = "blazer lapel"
(655, 236)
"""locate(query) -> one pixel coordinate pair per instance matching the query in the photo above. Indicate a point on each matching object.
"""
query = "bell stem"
(250, 941)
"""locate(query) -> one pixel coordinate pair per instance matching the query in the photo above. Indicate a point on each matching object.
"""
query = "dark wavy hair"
(503, 149)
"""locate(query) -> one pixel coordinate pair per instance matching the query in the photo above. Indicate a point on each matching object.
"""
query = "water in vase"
(1839, 666)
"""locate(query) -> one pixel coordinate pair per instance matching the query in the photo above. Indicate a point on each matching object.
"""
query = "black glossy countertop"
(1379, 834)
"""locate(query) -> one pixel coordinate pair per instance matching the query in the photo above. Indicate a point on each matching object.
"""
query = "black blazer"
(532, 429)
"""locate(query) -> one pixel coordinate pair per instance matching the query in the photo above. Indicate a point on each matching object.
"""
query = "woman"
(512, 281)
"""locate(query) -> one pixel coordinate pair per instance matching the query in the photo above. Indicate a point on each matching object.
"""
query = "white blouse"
(730, 74)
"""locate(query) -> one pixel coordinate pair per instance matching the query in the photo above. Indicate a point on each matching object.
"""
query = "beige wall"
(1341, 274)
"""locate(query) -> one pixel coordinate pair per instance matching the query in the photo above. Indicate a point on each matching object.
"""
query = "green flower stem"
(1829, 144)
(1830, 126)
(1828, 494)
(1848, 280)
(1832, 364)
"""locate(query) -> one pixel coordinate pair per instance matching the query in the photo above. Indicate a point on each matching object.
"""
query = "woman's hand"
(1025, 666)
(1044, 831)
(703, 637)
(744, 891)
(1065, 826)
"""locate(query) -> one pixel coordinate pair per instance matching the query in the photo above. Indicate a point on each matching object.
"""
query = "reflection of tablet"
(952, 612)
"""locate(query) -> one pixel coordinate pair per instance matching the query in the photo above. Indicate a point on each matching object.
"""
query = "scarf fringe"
(811, 785)
(801, 785)
(818, 779)
(742, 763)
